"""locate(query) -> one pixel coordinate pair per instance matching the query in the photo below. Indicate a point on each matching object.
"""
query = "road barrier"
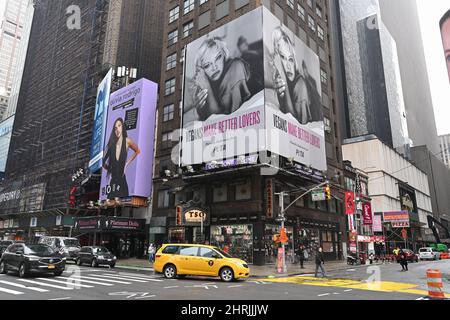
(445, 256)
(435, 286)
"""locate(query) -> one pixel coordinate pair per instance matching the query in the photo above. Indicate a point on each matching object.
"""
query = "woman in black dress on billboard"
(117, 154)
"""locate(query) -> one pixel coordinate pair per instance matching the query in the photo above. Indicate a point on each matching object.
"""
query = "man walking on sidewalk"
(320, 262)
(301, 255)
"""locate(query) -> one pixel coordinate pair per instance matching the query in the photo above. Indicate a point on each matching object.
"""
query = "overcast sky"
(430, 13)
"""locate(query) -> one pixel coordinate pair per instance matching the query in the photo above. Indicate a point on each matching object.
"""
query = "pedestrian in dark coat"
(320, 262)
(403, 260)
(301, 255)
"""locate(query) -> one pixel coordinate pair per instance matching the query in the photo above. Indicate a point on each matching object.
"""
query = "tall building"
(21, 55)
(402, 20)
(3, 105)
(370, 75)
(236, 194)
(52, 132)
(445, 149)
(11, 33)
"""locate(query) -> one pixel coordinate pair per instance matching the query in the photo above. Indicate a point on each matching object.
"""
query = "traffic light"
(328, 192)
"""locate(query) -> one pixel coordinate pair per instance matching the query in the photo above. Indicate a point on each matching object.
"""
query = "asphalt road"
(87, 283)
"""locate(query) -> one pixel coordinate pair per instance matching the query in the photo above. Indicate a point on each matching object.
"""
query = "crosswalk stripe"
(87, 281)
(133, 275)
(46, 284)
(68, 283)
(23, 286)
(137, 277)
(107, 280)
(120, 278)
(16, 293)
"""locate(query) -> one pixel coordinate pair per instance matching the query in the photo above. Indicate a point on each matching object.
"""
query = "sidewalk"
(268, 270)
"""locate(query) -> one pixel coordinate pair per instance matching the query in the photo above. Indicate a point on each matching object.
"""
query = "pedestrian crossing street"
(71, 279)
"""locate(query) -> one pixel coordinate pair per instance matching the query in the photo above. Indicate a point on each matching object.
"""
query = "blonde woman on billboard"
(220, 82)
(115, 160)
(289, 82)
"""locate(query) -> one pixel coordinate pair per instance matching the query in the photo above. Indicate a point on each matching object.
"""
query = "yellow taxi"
(181, 260)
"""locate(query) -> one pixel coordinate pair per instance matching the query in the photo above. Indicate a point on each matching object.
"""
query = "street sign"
(283, 237)
(318, 195)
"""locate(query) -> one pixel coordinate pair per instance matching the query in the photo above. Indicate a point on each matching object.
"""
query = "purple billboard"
(129, 142)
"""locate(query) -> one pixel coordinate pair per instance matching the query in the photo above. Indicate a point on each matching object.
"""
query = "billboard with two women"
(129, 142)
(251, 86)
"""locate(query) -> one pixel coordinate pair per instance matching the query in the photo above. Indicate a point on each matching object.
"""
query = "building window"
(188, 28)
(188, 6)
(220, 193)
(166, 140)
(323, 76)
(311, 23)
(203, 1)
(168, 112)
(320, 32)
(319, 11)
(171, 61)
(301, 12)
(244, 191)
(172, 38)
(310, 3)
(174, 14)
(290, 3)
(170, 86)
(163, 199)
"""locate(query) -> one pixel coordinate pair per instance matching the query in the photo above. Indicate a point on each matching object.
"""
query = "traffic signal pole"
(283, 218)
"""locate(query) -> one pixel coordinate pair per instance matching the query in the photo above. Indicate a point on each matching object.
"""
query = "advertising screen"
(6, 128)
(252, 86)
(293, 97)
(101, 113)
(224, 91)
(129, 142)
(445, 31)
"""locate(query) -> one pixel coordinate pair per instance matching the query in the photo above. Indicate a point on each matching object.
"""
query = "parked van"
(68, 247)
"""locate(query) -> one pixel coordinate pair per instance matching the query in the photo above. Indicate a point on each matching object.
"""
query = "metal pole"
(283, 246)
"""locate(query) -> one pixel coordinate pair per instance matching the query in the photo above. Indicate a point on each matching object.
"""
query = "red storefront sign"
(367, 213)
(369, 239)
(349, 203)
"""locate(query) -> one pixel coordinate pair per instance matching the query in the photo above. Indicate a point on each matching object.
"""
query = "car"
(410, 256)
(68, 247)
(96, 256)
(31, 258)
(180, 260)
(429, 253)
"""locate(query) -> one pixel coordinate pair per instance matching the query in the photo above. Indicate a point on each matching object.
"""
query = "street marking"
(23, 286)
(203, 286)
(14, 292)
(351, 270)
(135, 295)
(66, 298)
(107, 280)
(323, 294)
(120, 278)
(136, 277)
(336, 293)
(133, 275)
(348, 290)
(172, 287)
(67, 283)
(45, 284)
(235, 286)
(87, 281)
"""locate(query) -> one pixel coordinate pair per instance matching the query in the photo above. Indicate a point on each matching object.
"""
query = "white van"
(69, 247)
